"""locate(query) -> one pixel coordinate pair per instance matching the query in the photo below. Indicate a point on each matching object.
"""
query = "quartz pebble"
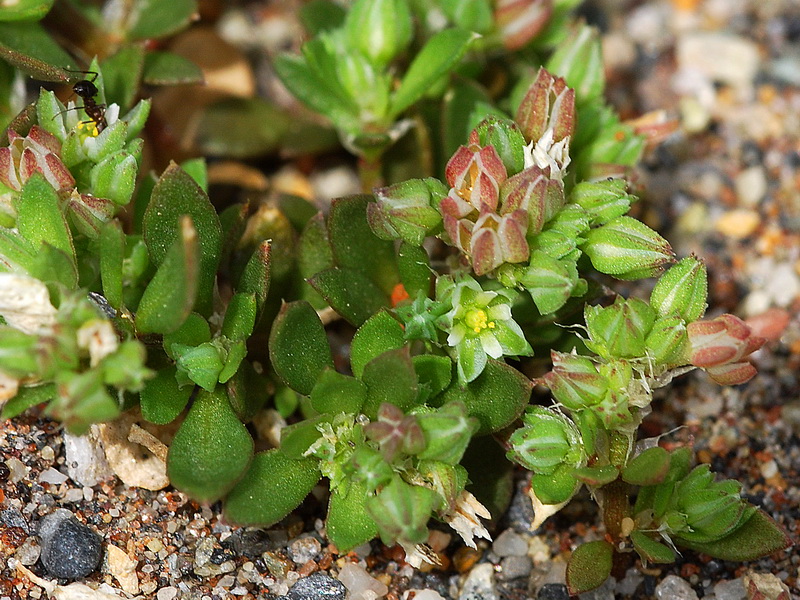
(52, 476)
(730, 590)
(167, 593)
(70, 550)
(514, 567)
(604, 592)
(304, 549)
(719, 56)
(318, 587)
(360, 584)
(480, 584)
(123, 568)
(673, 587)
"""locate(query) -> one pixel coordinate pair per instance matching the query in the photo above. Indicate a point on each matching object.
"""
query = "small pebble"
(480, 584)
(514, 567)
(553, 591)
(738, 224)
(318, 587)
(730, 590)
(751, 186)
(28, 553)
(510, 543)
(47, 453)
(52, 476)
(425, 595)
(12, 517)
(604, 592)
(304, 549)
(167, 593)
(359, 583)
(70, 550)
(17, 470)
(673, 587)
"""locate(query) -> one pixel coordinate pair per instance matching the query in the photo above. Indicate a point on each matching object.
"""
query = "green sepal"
(682, 290)
(627, 249)
(162, 399)
(589, 566)
(348, 523)
(176, 194)
(298, 346)
(115, 177)
(381, 332)
(579, 60)
(496, 398)
(390, 378)
(273, 486)
(648, 468)
(505, 136)
(236, 350)
(170, 295)
(337, 393)
(401, 511)
(556, 487)
(651, 551)
(211, 450)
(82, 399)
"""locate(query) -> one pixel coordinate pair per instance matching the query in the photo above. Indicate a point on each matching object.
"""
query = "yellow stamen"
(477, 320)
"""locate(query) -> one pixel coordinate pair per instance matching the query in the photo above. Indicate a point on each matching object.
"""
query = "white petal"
(490, 344)
(99, 338)
(25, 303)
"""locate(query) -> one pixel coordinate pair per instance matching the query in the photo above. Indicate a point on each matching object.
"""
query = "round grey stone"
(70, 550)
(553, 591)
(318, 587)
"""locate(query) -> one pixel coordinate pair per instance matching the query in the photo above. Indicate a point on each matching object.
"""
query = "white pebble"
(50, 475)
(751, 186)
(730, 590)
(357, 581)
(674, 588)
(167, 593)
(721, 57)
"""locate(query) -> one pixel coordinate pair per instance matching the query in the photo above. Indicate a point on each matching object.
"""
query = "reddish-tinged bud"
(549, 104)
(719, 345)
(722, 340)
(497, 240)
(534, 192)
(476, 175)
(520, 20)
(36, 153)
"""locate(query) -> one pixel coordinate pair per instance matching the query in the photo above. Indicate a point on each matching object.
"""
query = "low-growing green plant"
(118, 290)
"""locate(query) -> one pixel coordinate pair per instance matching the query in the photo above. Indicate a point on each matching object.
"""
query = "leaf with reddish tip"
(650, 550)
(648, 468)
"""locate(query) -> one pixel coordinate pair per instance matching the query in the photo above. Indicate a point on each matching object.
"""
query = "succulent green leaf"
(447, 431)
(27, 396)
(156, 19)
(350, 293)
(758, 536)
(556, 487)
(174, 195)
(648, 468)
(438, 57)
(170, 295)
(211, 450)
(379, 29)
(16, 253)
(434, 374)
(336, 393)
(321, 15)
(315, 90)
(381, 332)
(298, 346)
(297, 438)
(596, 475)
(496, 398)
(201, 364)
(236, 351)
(193, 332)
(651, 551)
(240, 317)
(39, 217)
(122, 72)
(30, 48)
(273, 487)
(390, 378)
(242, 128)
(414, 267)
(348, 523)
(168, 68)
(589, 566)
(52, 264)
(356, 247)
(25, 10)
(627, 249)
(112, 253)
(162, 400)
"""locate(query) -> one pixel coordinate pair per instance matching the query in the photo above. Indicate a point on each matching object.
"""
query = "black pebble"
(70, 550)
(318, 587)
(553, 591)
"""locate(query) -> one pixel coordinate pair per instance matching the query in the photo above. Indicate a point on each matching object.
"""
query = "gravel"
(70, 549)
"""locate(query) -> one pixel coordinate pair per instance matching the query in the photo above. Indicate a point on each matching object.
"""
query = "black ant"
(86, 89)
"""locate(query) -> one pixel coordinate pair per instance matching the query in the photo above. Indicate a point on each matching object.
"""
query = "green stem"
(370, 173)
